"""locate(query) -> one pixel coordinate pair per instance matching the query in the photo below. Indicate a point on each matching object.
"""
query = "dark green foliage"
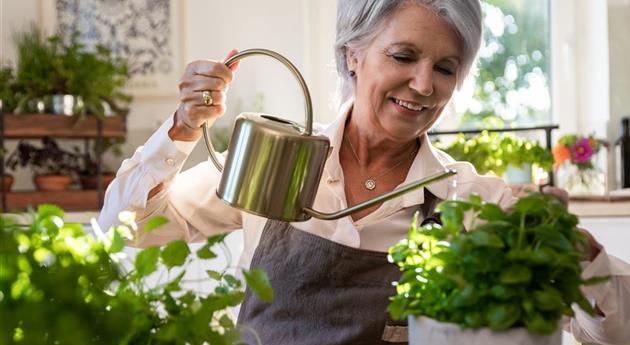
(53, 66)
(60, 286)
(7, 89)
(517, 268)
(49, 159)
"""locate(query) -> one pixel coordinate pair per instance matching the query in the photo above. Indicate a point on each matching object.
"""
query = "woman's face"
(407, 74)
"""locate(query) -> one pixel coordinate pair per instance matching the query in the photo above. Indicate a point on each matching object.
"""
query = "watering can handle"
(307, 97)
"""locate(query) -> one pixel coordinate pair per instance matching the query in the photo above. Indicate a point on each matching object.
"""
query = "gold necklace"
(370, 182)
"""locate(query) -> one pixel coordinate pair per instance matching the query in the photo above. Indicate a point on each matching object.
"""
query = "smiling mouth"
(409, 105)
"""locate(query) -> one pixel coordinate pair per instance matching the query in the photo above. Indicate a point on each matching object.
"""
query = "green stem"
(521, 231)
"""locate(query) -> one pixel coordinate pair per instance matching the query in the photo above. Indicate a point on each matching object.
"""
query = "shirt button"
(331, 180)
(170, 162)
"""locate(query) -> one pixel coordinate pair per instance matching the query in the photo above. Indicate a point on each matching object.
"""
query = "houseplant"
(7, 89)
(515, 271)
(53, 167)
(62, 286)
(495, 153)
(54, 68)
(575, 164)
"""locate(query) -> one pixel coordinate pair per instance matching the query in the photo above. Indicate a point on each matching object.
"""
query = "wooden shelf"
(32, 126)
(70, 200)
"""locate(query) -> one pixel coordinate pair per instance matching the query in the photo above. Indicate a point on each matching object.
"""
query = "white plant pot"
(522, 175)
(426, 331)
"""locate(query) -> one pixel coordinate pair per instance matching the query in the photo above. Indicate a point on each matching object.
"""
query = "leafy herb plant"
(61, 286)
(48, 66)
(516, 268)
(493, 152)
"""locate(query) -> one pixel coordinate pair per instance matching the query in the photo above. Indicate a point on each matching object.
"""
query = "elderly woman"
(399, 61)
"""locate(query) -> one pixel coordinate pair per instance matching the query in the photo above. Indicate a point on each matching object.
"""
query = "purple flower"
(582, 150)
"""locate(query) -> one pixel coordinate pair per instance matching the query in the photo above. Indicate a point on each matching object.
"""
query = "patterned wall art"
(148, 33)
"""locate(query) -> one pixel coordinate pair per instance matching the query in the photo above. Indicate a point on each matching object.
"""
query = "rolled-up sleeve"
(188, 200)
(611, 297)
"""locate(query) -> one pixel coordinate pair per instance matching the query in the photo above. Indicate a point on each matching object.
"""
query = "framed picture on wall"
(148, 33)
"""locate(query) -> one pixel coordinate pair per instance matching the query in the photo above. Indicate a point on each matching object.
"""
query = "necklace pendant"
(370, 184)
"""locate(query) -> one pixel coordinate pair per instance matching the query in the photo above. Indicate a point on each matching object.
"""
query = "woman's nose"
(422, 81)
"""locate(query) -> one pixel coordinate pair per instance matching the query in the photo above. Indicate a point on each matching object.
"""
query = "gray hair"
(358, 22)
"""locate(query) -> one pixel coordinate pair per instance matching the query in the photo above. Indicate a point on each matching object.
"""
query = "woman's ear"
(351, 59)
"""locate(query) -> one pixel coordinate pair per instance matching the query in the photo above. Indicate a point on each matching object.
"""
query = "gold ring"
(207, 99)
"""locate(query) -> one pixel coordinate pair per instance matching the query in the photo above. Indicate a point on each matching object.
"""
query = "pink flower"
(582, 150)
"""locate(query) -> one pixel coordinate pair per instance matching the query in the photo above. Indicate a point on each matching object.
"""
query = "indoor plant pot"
(91, 181)
(426, 331)
(7, 183)
(52, 183)
(514, 271)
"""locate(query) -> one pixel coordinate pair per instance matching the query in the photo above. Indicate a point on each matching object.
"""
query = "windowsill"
(600, 206)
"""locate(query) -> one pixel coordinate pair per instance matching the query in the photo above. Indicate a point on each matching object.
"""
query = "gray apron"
(325, 293)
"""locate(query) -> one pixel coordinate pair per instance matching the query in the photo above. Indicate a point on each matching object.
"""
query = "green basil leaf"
(205, 252)
(214, 274)
(118, 243)
(146, 261)
(154, 223)
(502, 316)
(486, 239)
(258, 282)
(515, 274)
(175, 253)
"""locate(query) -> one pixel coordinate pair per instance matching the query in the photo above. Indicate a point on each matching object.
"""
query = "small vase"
(581, 182)
(427, 331)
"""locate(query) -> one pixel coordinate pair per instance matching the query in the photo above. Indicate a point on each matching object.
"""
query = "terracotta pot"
(52, 182)
(7, 183)
(91, 181)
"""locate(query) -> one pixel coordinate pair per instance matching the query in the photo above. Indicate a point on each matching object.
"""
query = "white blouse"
(189, 201)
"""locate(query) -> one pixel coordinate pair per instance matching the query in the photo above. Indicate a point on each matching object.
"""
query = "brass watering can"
(274, 166)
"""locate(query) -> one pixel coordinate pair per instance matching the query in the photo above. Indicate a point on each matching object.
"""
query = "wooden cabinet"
(34, 126)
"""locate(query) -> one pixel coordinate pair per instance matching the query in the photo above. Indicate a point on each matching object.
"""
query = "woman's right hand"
(199, 76)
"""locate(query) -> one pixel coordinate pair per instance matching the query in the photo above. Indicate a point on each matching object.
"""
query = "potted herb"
(35, 73)
(64, 77)
(62, 286)
(53, 167)
(512, 275)
(499, 153)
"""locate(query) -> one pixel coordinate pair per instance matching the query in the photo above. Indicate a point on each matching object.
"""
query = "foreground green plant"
(61, 286)
(517, 268)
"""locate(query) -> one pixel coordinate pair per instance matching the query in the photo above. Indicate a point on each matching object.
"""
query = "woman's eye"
(445, 70)
(402, 58)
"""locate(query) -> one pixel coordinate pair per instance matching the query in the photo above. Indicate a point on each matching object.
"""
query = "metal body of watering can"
(274, 166)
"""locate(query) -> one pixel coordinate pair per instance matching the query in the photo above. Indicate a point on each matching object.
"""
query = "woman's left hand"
(595, 247)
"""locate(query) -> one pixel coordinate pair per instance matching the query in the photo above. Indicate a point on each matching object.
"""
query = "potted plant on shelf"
(510, 275)
(63, 77)
(8, 101)
(88, 175)
(500, 154)
(109, 296)
(52, 166)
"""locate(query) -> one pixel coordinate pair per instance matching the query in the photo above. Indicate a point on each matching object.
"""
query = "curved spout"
(381, 198)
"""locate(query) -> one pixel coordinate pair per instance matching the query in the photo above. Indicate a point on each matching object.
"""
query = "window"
(512, 85)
